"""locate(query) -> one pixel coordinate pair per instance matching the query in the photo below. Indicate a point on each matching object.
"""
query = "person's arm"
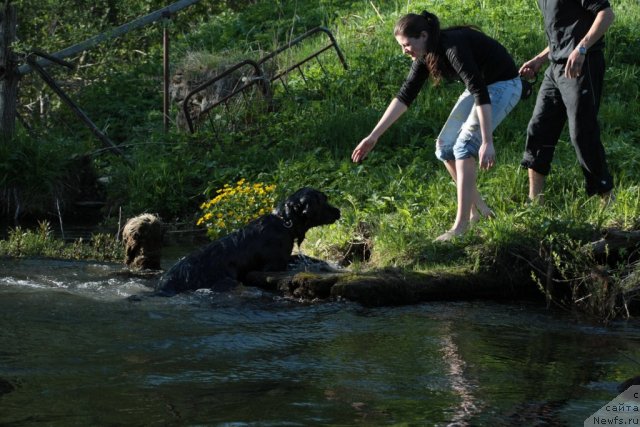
(464, 64)
(395, 109)
(600, 25)
(487, 154)
(530, 68)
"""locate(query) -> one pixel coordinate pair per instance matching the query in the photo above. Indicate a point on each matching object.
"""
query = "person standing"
(570, 92)
(493, 88)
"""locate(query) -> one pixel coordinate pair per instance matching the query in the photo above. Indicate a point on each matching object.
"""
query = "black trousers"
(576, 102)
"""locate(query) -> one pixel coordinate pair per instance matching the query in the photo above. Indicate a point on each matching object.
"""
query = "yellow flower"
(234, 206)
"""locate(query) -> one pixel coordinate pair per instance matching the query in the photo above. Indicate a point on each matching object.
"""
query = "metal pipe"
(111, 34)
(165, 67)
(77, 110)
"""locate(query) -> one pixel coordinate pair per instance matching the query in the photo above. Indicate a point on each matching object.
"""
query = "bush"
(233, 207)
(41, 242)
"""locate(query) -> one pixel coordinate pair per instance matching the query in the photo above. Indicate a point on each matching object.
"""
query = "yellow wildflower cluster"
(233, 207)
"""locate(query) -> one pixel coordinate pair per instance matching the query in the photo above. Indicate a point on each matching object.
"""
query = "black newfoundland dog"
(264, 244)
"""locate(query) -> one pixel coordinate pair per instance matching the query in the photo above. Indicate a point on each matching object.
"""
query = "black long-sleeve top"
(566, 22)
(477, 59)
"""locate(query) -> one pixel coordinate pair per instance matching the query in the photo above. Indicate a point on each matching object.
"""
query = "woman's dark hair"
(412, 25)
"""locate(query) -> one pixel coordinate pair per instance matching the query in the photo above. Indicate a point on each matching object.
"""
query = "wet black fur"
(264, 244)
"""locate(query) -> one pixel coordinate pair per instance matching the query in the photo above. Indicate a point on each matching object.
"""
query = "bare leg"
(467, 192)
(466, 172)
(482, 210)
(536, 187)
(606, 199)
(479, 208)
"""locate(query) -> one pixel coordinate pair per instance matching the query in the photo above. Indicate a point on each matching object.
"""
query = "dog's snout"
(331, 214)
(336, 213)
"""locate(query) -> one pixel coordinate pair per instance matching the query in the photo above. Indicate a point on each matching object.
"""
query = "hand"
(361, 151)
(487, 156)
(530, 68)
(573, 68)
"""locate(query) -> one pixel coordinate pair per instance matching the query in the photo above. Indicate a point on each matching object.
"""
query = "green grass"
(401, 191)
(41, 242)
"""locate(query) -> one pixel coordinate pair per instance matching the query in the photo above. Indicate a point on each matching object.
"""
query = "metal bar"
(298, 64)
(77, 110)
(321, 66)
(334, 43)
(284, 84)
(302, 74)
(260, 77)
(53, 59)
(215, 104)
(304, 36)
(114, 33)
(165, 72)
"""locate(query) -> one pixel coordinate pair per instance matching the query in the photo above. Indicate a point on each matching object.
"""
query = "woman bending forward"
(493, 89)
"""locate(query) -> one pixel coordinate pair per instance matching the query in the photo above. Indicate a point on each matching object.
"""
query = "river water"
(74, 351)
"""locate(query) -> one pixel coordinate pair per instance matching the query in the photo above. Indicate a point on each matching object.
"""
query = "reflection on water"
(75, 352)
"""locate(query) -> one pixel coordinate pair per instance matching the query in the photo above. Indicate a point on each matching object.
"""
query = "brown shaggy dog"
(142, 238)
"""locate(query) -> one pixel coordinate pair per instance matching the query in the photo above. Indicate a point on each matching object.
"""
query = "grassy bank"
(401, 195)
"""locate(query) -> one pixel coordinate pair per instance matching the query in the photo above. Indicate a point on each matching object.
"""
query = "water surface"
(75, 352)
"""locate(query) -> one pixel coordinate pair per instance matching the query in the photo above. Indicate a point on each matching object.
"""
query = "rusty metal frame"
(299, 39)
(260, 77)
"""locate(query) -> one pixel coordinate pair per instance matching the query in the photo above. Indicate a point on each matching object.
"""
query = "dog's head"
(307, 208)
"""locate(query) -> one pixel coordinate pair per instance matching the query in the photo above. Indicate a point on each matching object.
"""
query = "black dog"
(264, 244)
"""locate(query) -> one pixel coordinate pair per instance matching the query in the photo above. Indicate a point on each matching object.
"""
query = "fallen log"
(388, 288)
(614, 240)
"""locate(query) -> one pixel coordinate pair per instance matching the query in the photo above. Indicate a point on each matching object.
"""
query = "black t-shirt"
(566, 23)
(477, 59)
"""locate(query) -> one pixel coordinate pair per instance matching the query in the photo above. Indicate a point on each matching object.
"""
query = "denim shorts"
(460, 136)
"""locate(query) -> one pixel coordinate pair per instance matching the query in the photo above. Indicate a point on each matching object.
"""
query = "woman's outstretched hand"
(487, 156)
(363, 149)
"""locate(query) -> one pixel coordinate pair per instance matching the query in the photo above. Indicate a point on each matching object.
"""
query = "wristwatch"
(582, 50)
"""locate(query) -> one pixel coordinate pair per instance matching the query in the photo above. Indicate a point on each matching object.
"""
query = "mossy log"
(386, 288)
(508, 280)
(614, 240)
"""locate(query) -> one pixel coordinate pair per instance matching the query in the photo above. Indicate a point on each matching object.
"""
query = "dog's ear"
(292, 209)
(298, 208)
(310, 203)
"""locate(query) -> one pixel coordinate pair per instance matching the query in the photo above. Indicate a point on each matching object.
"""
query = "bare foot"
(606, 199)
(449, 235)
(477, 216)
(536, 201)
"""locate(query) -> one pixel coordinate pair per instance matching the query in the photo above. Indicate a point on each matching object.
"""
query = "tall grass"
(401, 187)
(400, 191)
(41, 242)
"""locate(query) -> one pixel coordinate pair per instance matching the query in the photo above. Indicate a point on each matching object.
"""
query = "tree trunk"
(8, 75)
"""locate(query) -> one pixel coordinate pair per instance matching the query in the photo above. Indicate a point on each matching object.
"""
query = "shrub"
(42, 242)
(233, 207)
